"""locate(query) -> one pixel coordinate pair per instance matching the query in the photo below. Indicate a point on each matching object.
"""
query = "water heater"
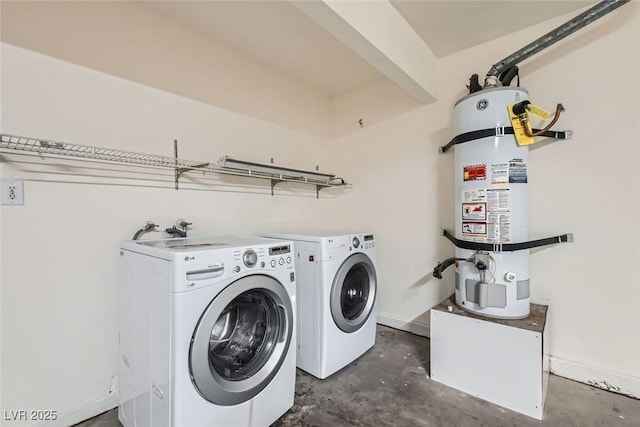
(493, 134)
(491, 231)
(492, 206)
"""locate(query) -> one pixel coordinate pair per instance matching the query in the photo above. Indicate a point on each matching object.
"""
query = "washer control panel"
(280, 255)
(361, 242)
(274, 257)
(195, 269)
(280, 250)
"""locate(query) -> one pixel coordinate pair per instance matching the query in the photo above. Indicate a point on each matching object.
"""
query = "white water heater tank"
(492, 207)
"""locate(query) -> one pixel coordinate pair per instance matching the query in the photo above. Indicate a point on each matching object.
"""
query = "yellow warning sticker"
(518, 129)
(539, 112)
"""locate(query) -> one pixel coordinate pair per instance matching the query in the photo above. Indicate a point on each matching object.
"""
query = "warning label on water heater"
(474, 211)
(500, 173)
(474, 214)
(498, 215)
(474, 173)
(486, 215)
(517, 171)
(475, 228)
(478, 195)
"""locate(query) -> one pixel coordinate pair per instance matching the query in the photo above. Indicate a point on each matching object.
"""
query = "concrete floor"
(389, 386)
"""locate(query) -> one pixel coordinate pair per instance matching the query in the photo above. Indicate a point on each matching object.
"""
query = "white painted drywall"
(60, 250)
(588, 186)
(129, 40)
(381, 36)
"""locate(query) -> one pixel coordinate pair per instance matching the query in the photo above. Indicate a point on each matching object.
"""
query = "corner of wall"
(373, 103)
(415, 326)
(87, 409)
(599, 377)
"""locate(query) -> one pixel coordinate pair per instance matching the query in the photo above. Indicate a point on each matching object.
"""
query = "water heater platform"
(503, 361)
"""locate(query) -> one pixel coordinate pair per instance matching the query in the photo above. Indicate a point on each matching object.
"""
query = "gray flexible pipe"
(148, 226)
(569, 27)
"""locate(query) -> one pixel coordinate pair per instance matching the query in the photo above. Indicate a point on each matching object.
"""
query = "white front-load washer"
(207, 332)
(336, 298)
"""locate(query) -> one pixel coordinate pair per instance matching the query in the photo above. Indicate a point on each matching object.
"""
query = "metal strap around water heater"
(499, 131)
(507, 247)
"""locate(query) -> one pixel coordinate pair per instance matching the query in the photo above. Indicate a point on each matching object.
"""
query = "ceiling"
(450, 26)
(277, 34)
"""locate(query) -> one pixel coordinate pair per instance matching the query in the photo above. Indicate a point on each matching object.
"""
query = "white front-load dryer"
(336, 298)
(207, 332)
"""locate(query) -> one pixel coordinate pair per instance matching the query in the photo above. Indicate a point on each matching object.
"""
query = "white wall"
(588, 186)
(129, 40)
(60, 250)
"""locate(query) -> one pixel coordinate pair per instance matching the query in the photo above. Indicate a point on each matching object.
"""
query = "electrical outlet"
(13, 193)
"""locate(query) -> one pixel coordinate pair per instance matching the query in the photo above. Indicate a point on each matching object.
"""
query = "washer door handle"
(284, 323)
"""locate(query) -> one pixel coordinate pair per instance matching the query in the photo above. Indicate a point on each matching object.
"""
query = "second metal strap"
(507, 247)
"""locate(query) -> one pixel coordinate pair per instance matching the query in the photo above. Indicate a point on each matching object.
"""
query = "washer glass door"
(241, 340)
(353, 292)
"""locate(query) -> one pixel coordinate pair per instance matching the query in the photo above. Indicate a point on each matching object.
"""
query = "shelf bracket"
(176, 173)
(274, 182)
(179, 171)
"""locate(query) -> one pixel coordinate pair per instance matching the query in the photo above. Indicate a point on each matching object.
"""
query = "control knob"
(355, 242)
(250, 258)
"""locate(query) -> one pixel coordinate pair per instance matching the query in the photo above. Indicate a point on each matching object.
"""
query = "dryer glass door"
(353, 292)
(241, 340)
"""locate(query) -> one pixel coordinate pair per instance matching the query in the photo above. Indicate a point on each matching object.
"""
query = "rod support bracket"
(274, 182)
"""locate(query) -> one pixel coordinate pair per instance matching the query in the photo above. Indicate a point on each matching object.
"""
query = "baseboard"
(86, 410)
(413, 326)
(615, 382)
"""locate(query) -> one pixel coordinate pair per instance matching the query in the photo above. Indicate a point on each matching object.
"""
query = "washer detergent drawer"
(205, 274)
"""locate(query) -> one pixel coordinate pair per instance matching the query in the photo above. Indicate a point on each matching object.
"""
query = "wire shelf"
(226, 165)
(57, 148)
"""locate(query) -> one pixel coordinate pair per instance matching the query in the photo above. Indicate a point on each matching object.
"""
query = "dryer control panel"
(368, 241)
(361, 242)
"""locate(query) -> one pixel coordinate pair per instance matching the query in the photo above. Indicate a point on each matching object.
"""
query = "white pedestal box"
(501, 361)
